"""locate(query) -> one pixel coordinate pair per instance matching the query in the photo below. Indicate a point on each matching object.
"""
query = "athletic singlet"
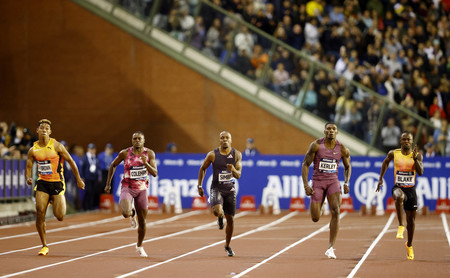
(404, 170)
(135, 174)
(49, 161)
(326, 161)
(222, 178)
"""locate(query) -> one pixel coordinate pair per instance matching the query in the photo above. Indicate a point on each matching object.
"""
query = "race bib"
(226, 177)
(327, 165)
(404, 178)
(44, 167)
(138, 173)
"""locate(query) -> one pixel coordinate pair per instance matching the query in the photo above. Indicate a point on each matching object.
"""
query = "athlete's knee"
(60, 217)
(315, 218)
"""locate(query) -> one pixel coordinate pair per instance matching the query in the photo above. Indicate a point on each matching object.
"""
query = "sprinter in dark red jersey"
(326, 153)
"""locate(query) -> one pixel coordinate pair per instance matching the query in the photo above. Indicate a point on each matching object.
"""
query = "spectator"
(90, 172)
(105, 158)
(280, 78)
(172, 148)
(390, 135)
(250, 149)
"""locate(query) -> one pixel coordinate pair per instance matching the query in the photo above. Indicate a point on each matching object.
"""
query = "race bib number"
(404, 178)
(138, 173)
(327, 165)
(226, 177)
(44, 167)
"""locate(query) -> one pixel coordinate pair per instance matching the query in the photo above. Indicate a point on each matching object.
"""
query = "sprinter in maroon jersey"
(326, 153)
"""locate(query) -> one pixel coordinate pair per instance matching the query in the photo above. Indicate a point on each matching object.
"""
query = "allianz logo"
(173, 162)
(267, 163)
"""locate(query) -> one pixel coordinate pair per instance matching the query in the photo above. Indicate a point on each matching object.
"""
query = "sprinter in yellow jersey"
(407, 162)
(49, 155)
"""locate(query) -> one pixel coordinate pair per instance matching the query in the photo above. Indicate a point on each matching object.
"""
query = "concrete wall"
(98, 84)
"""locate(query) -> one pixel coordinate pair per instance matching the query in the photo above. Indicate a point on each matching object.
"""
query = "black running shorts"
(226, 199)
(410, 201)
(51, 187)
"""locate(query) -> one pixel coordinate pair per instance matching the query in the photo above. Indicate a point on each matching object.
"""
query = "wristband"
(199, 186)
(346, 183)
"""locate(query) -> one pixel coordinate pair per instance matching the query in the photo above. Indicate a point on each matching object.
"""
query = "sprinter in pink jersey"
(139, 162)
(326, 153)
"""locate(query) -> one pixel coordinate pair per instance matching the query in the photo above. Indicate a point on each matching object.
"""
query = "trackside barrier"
(247, 203)
(153, 203)
(297, 204)
(199, 203)
(442, 205)
(107, 202)
(347, 204)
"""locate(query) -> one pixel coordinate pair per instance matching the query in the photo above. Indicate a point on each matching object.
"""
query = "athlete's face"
(406, 141)
(225, 140)
(44, 130)
(330, 131)
(138, 140)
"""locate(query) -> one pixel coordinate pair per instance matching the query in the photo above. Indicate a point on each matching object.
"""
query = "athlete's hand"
(308, 190)
(80, 184)
(346, 189)
(108, 188)
(380, 185)
(30, 181)
(230, 167)
(415, 152)
(200, 191)
(144, 158)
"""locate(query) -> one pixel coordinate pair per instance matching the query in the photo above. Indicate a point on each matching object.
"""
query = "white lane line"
(374, 243)
(262, 228)
(163, 221)
(287, 248)
(76, 226)
(444, 222)
(119, 247)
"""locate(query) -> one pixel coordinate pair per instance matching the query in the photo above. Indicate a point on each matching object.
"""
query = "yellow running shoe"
(409, 252)
(44, 251)
(400, 231)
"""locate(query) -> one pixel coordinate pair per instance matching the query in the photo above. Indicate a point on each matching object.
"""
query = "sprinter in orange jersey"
(407, 162)
(49, 155)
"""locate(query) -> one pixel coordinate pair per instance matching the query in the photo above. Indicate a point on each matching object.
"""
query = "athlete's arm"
(151, 163)
(347, 167)
(237, 168)
(112, 168)
(384, 167)
(201, 173)
(30, 160)
(418, 161)
(309, 158)
(65, 154)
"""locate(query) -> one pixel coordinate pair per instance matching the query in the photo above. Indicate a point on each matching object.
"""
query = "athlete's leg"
(399, 197)
(126, 207)
(317, 200)
(141, 205)
(334, 200)
(59, 206)
(229, 229)
(410, 225)
(42, 199)
(217, 210)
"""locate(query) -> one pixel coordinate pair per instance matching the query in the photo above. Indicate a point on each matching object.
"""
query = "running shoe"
(44, 251)
(141, 251)
(330, 253)
(229, 251)
(133, 222)
(409, 252)
(220, 222)
(400, 231)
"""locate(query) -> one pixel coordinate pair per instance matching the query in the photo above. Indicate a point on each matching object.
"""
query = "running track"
(190, 245)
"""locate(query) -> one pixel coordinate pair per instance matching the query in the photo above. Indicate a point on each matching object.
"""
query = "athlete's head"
(406, 140)
(44, 127)
(138, 139)
(330, 130)
(225, 139)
